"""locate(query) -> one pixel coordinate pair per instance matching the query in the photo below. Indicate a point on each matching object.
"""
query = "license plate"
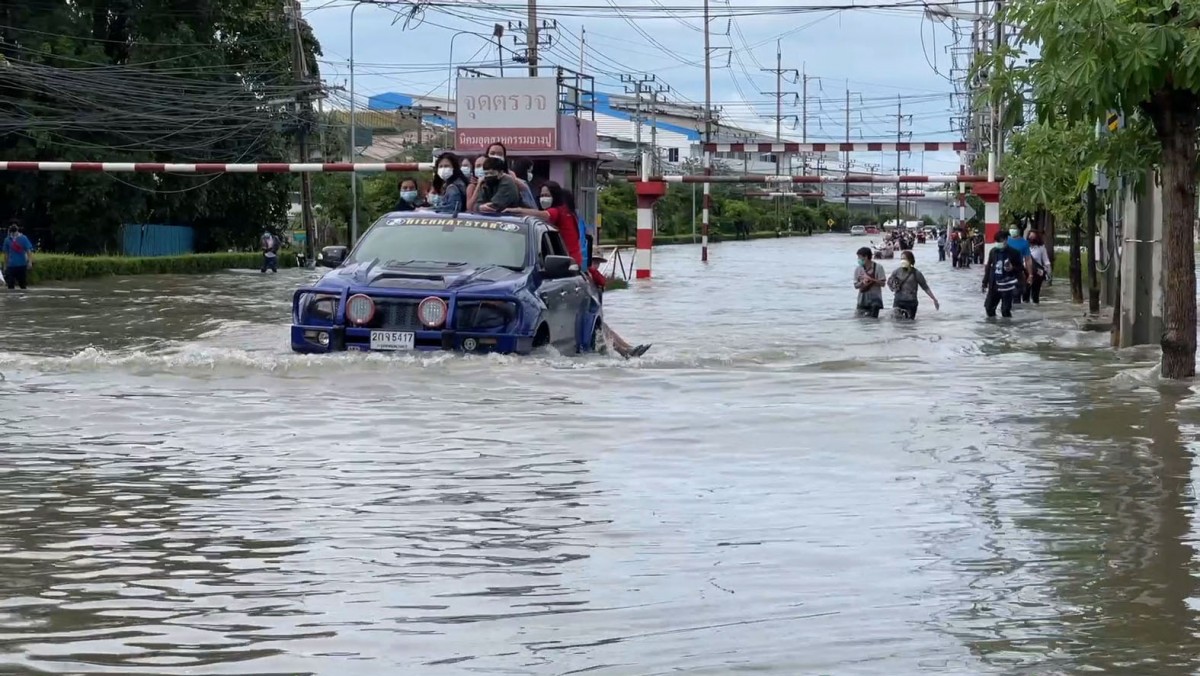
(393, 340)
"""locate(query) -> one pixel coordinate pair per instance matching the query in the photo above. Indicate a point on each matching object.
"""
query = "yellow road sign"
(829, 222)
(1114, 122)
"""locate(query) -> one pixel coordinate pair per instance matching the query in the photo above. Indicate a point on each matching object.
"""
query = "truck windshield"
(473, 243)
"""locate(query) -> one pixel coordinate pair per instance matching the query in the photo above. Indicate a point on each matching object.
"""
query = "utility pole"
(659, 89)
(531, 39)
(537, 36)
(304, 106)
(707, 133)
(846, 185)
(804, 116)
(899, 139)
(636, 85)
(779, 71)
(418, 113)
(582, 46)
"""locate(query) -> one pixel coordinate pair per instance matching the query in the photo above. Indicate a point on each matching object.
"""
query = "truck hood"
(425, 277)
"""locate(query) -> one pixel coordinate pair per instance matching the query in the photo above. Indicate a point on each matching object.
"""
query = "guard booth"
(549, 120)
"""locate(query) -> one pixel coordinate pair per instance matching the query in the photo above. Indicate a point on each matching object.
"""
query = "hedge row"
(50, 267)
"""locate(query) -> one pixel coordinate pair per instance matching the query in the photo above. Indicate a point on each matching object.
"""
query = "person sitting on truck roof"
(449, 193)
(498, 191)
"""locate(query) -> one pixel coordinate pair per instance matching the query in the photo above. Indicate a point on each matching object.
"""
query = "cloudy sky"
(879, 54)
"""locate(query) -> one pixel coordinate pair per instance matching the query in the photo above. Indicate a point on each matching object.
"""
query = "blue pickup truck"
(465, 282)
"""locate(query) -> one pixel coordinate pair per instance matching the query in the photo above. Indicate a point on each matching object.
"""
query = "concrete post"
(1140, 250)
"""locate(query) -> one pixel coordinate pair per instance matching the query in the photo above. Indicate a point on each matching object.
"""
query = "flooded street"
(777, 487)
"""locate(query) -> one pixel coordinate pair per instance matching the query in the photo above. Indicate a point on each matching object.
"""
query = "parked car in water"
(469, 282)
(858, 230)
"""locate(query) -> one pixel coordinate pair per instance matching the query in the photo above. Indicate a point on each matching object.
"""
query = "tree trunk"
(1076, 266)
(1093, 275)
(1176, 123)
(1045, 223)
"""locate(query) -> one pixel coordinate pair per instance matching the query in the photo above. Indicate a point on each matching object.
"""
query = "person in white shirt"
(1042, 267)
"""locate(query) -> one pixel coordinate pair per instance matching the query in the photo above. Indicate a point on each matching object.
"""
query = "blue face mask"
(862, 263)
(1001, 245)
(408, 195)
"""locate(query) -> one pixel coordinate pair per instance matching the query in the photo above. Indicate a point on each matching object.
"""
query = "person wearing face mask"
(497, 191)
(869, 278)
(904, 283)
(557, 209)
(410, 196)
(1041, 267)
(1000, 274)
(449, 194)
(521, 173)
(476, 180)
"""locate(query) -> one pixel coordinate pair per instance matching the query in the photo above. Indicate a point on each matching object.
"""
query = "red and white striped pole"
(706, 209)
(217, 168)
(647, 192)
(990, 194)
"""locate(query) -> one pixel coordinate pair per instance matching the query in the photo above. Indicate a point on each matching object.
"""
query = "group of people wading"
(1014, 272)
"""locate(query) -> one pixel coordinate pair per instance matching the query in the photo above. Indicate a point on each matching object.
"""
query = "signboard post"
(520, 112)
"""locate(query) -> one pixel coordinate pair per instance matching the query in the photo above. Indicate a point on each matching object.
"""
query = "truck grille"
(396, 314)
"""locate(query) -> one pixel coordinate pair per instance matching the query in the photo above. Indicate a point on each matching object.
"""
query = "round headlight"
(432, 312)
(360, 309)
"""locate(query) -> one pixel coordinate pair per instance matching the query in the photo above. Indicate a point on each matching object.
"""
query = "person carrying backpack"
(18, 257)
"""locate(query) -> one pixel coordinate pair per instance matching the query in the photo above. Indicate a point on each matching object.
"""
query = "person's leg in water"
(622, 346)
(990, 303)
(1035, 289)
(265, 263)
(1006, 303)
(906, 309)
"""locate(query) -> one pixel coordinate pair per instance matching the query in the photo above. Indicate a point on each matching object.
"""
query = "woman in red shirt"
(557, 209)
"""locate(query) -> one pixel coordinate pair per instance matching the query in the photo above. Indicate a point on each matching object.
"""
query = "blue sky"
(883, 54)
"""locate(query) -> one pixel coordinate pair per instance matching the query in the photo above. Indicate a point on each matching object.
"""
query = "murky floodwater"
(776, 487)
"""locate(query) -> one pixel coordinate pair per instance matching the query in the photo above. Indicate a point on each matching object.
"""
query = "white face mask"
(1014, 233)
(546, 202)
(904, 263)
(479, 172)
(497, 156)
(445, 173)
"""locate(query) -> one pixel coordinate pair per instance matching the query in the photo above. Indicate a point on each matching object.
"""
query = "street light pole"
(450, 73)
(353, 150)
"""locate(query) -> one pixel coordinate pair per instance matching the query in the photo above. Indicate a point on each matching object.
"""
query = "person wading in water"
(869, 278)
(905, 282)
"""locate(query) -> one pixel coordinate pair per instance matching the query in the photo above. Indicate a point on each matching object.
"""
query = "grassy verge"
(62, 267)
(615, 284)
(1062, 268)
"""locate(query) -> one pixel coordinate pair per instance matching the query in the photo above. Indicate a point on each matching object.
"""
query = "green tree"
(1042, 181)
(124, 81)
(1141, 57)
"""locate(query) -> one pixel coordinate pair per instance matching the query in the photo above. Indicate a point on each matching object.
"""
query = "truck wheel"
(542, 337)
